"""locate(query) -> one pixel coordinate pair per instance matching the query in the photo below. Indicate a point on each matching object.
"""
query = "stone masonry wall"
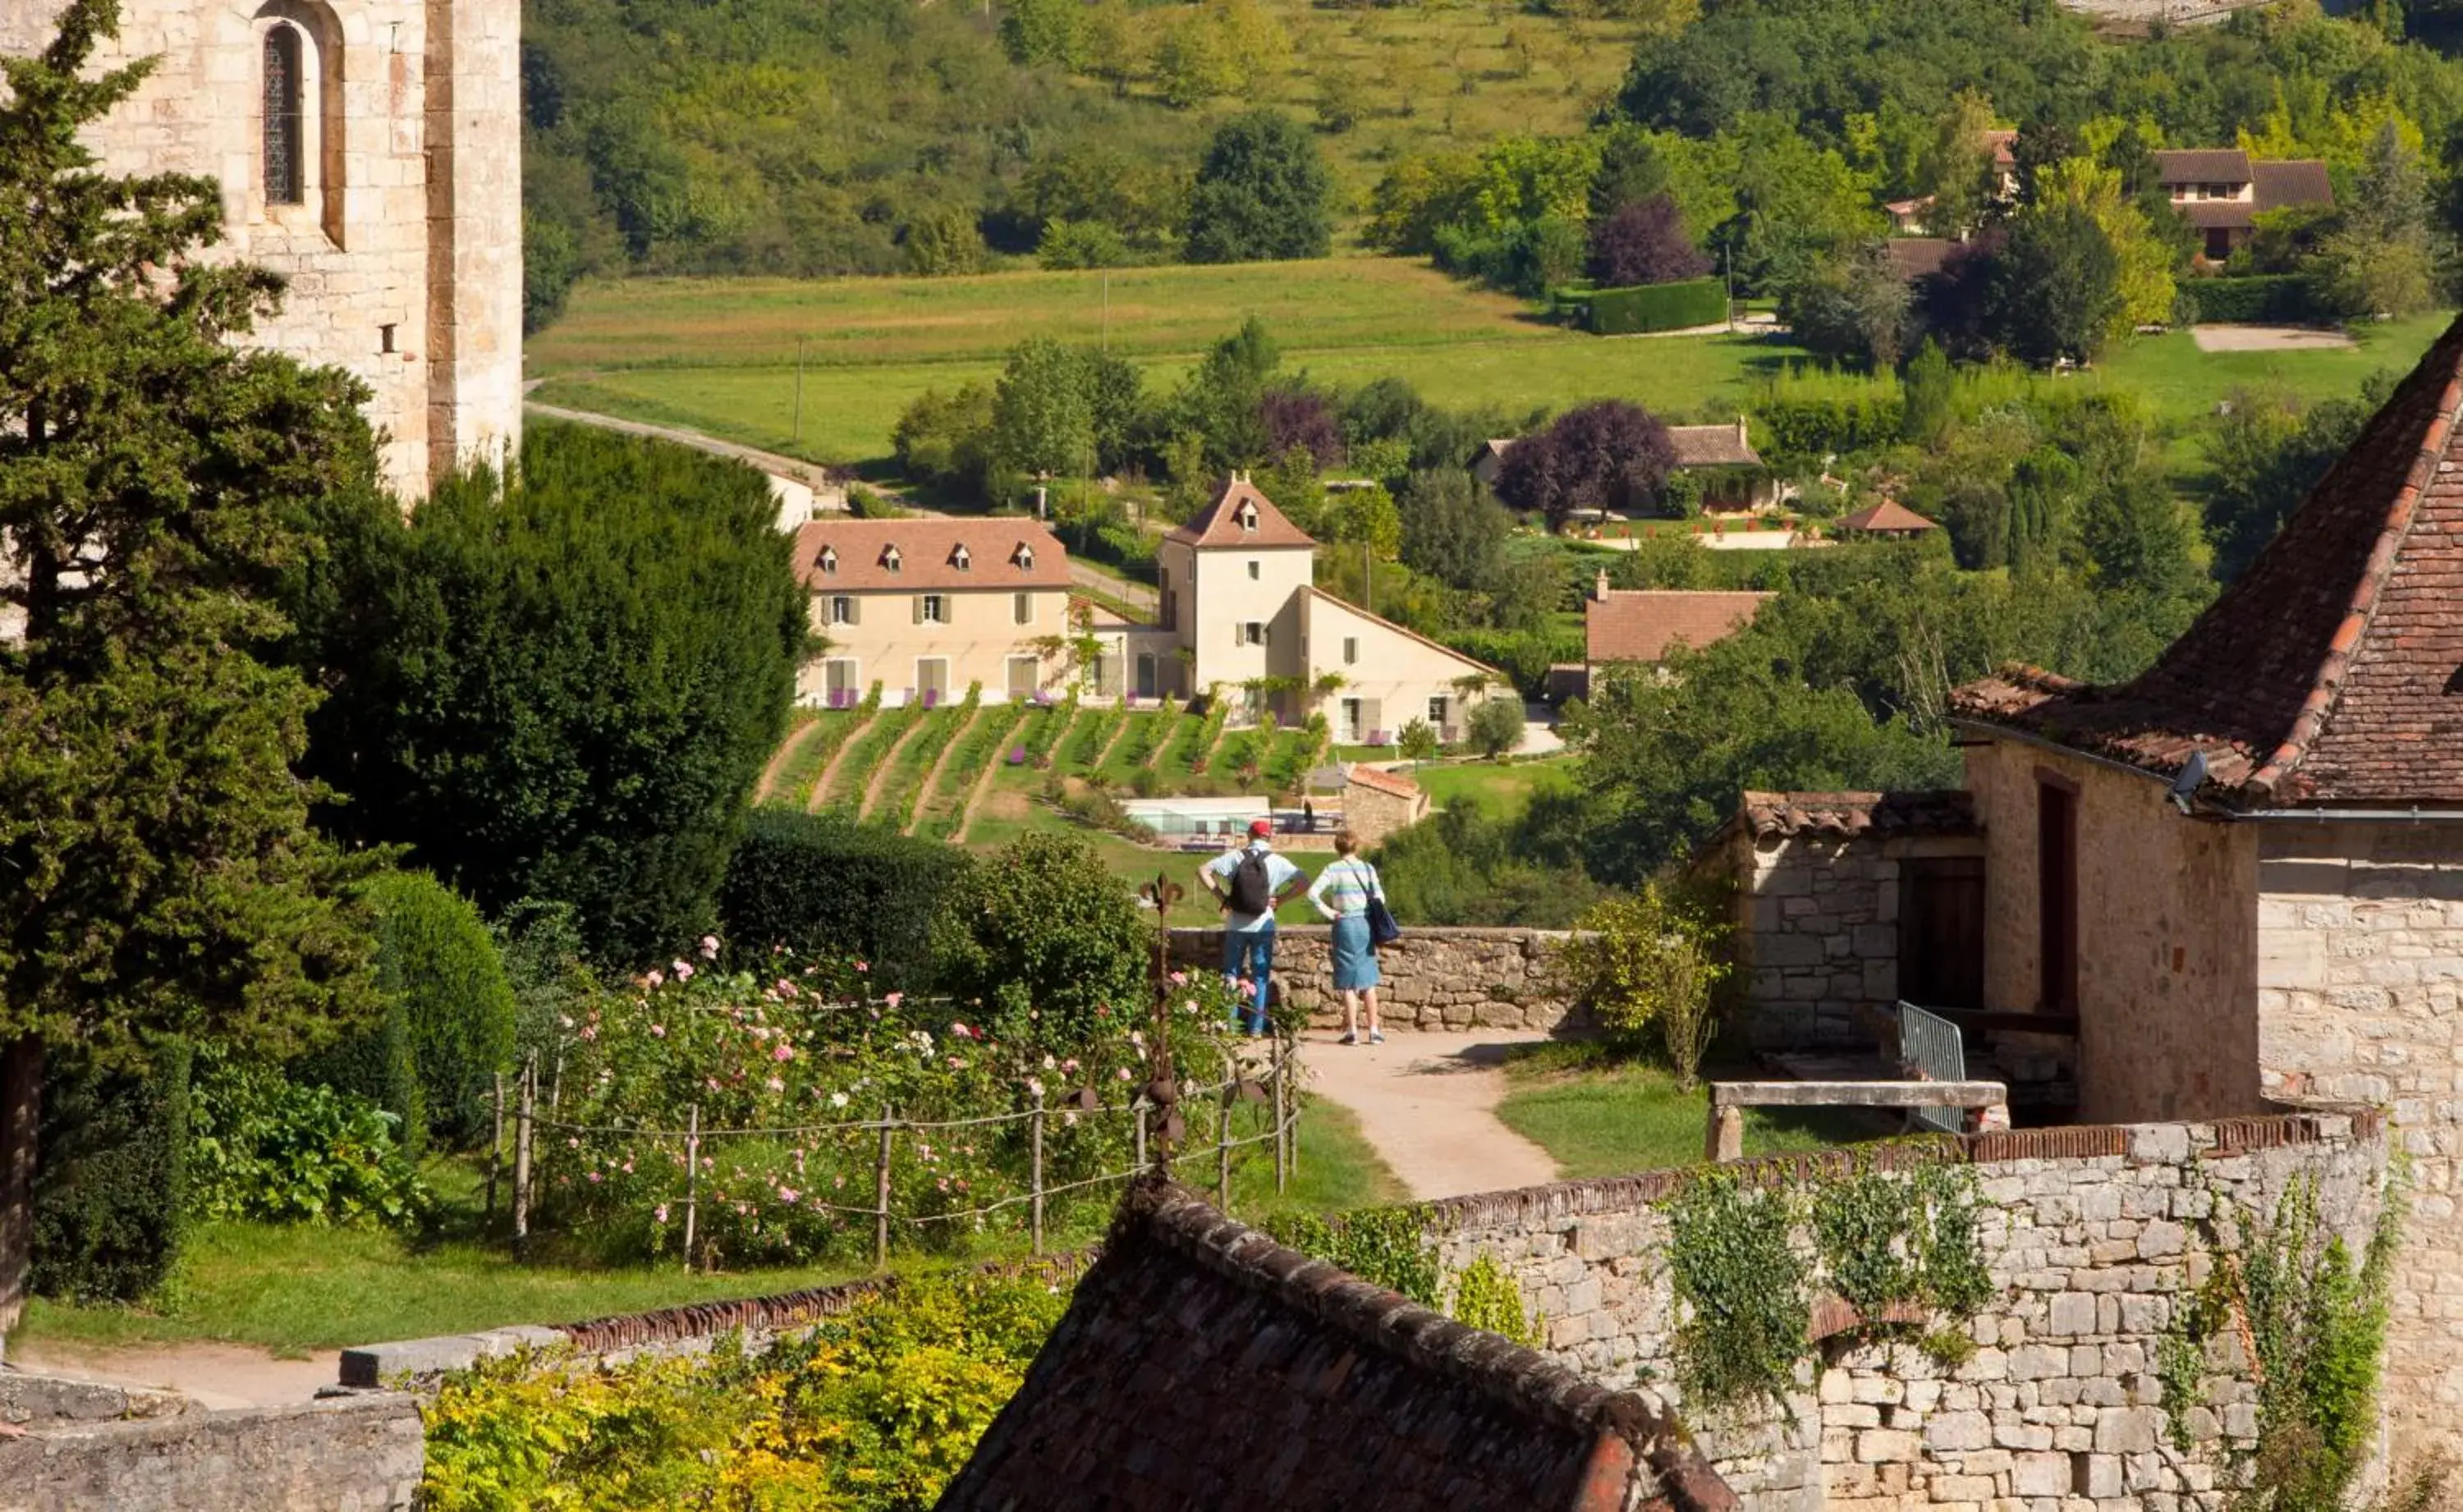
(1436, 978)
(2090, 1234)
(2361, 998)
(353, 1453)
(1820, 938)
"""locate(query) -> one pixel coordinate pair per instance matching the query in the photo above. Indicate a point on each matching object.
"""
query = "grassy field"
(1501, 789)
(1598, 1117)
(720, 355)
(297, 1289)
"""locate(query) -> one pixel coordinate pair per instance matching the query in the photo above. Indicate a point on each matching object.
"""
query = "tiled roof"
(1947, 812)
(1641, 624)
(2219, 215)
(1888, 516)
(1392, 784)
(1711, 447)
(1218, 524)
(1201, 1364)
(2202, 165)
(2331, 673)
(2000, 139)
(1915, 258)
(2292, 180)
(927, 554)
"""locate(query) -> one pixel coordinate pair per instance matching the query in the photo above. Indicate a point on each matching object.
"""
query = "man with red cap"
(1251, 883)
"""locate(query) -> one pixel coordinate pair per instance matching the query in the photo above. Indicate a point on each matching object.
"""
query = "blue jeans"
(1249, 953)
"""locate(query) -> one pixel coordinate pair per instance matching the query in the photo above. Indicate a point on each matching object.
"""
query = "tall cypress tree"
(158, 874)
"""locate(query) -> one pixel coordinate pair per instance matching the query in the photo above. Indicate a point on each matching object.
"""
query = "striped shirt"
(1344, 888)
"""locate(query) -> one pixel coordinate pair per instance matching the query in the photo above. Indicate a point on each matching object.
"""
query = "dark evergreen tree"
(565, 687)
(1643, 243)
(157, 483)
(1603, 455)
(1262, 193)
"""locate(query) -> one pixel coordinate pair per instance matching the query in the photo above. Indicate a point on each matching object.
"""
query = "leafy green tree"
(1450, 530)
(1046, 938)
(1417, 740)
(564, 687)
(159, 482)
(946, 439)
(1043, 32)
(2265, 453)
(2380, 261)
(1043, 418)
(435, 957)
(1067, 244)
(1495, 725)
(2053, 289)
(1854, 306)
(1957, 171)
(944, 240)
(1262, 193)
(1222, 400)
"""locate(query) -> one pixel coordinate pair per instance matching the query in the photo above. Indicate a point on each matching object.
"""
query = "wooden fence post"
(1292, 1109)
(1139, 1163)
(1034, 1158)
(522, 1118)
(496, 1145)
(1223, 1136)
(1283, 1167)
(692, 1181)
(880, 1195)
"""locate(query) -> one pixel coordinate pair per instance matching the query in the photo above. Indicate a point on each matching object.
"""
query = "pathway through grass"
(1599, 1117)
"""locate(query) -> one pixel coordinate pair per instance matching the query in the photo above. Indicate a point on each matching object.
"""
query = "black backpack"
(1252, 889)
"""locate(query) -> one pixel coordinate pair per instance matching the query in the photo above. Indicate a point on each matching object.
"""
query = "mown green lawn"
(297, 1289)
(1502, 788)
(1599, 1117)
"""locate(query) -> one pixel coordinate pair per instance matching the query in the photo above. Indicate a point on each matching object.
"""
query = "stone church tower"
(370, 152)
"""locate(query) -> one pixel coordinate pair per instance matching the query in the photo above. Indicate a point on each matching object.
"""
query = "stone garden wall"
(350, 1453)
(2089, 1235)
(1436, 978)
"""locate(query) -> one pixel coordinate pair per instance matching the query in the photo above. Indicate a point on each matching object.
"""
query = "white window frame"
(1255, 633)
(936, 608)
(829, 560)
(1438, 706)
(961, 558)
(842, 608)
(890, 561)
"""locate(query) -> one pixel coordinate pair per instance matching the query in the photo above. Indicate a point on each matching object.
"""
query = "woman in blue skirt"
(1342, 893)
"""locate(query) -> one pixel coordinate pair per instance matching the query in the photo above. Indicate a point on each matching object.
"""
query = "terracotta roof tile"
(1201, 1364)
(1915, 258)
(2331, 673)
(2202, 165)
(2219, 215)
(2292, 180)
(1641, 624)
(1383, 781)
(1711, 447)
(1885, 517)
(927, 554)
(1218, 524)
(1947, 812)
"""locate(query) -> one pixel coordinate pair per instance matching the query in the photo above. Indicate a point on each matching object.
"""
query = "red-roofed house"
(1888, 518)
(2223, 191)
(1636, 627)
(1240, 604)
(926, 607)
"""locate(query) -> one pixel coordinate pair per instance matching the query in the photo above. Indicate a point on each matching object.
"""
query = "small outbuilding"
(1888, 518)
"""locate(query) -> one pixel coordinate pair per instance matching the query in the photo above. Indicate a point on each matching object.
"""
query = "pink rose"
(777, 1085)
(788, 1194)
(661, 1216)
(653, 980)
(862, 965)
(784, 1052)
(894, 999)
(684, 971)
(658, 1031)
(710, 948)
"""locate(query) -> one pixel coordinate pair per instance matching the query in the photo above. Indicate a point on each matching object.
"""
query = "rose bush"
(785, 1076)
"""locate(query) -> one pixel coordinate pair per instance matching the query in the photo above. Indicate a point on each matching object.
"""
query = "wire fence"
(1184, 1124)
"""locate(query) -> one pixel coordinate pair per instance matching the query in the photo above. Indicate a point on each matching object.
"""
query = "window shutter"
(919, 608)
(855, 611)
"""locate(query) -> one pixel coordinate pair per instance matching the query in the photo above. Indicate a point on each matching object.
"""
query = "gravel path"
(2268, 338)
(1428, 1102)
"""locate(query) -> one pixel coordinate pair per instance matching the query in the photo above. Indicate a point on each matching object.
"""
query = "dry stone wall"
(352, 1454)
(2090, 1235)
(1436, 978)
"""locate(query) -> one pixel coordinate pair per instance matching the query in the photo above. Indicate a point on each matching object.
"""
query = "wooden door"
(1941, 931)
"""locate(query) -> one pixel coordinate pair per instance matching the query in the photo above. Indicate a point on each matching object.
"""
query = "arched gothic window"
(285, 148)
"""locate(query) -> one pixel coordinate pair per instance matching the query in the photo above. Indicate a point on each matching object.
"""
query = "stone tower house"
(370, 152)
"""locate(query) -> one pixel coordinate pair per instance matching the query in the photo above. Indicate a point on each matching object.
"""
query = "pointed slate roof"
(1218, 525)
(2331, 673)
(1203, 1365)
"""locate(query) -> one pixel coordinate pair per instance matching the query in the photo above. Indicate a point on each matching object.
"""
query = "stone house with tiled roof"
(1633, 627)
(927, 607)
(2222, 191)
(1203, 1365)
(1241, 610)
(2236, 881)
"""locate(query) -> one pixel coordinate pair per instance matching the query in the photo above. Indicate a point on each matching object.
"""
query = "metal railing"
(1932, 1046)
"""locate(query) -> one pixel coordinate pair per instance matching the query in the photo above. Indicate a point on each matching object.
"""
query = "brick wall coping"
(2130, 1144)
(1519, 1379)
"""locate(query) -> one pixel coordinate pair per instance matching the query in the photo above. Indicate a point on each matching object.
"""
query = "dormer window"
(960, 557)
(889, 560)
(1024, 558)
(1247, 517)
(830, 559)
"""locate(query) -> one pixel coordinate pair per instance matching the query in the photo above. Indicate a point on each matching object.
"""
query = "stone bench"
(1987, 1103)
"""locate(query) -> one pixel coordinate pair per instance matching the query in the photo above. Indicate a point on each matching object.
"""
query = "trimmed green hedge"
(1816, 427)
(826, 883)
(2261, 299)
(110, 1188)
(435, 956)
(1655, 307)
